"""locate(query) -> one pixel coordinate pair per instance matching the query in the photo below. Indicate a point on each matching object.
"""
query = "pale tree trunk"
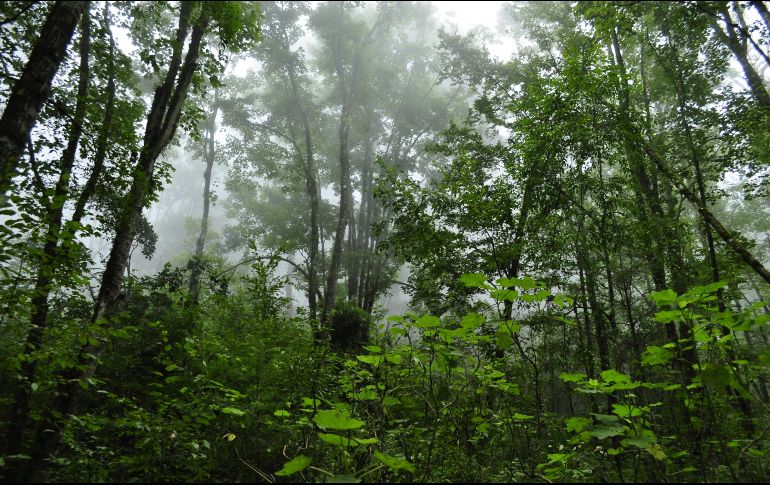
(209, 155)
(311, 187)
(31, 90)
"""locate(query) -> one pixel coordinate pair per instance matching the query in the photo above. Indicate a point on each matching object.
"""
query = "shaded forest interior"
(573, 204)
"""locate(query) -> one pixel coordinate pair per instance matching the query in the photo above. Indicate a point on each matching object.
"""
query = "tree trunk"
(209, 154)
(31, 90)
(739, 48)
(743, 253)
(311, 187)
(89, 189)
(48, 261)
(330, 294)
(161, 124)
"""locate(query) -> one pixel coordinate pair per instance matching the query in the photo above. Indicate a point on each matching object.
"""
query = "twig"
(256, 470)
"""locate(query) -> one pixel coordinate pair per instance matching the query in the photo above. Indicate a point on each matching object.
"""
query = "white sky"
(468, 15)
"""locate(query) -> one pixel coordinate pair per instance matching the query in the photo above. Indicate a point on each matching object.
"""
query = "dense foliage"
(582, 230)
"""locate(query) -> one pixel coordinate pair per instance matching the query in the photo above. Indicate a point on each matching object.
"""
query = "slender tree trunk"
(31, 90)
(364, 228)
(161, 124)
(209, 153)
(739, 48)
(89, 189)
(311, 187)
(743, 253)
(330, 294)
(48, 261)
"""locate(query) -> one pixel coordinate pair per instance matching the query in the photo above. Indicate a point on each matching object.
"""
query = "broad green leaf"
(665, 297)
(579, 377)
(394, 358)
(394, 462)
(472, 320)
(611, 375)
(655, 355)
(281, 413)
(656, 451)
(476, 280)
(366, 441)
(374, 360)
(602, 432)
(577, 424)
(644, 439)
(504, 295)
(235, 411)
(667, 316)
(427, 321)
(626, 411)
(296, 464)
(337, 440)
(336, 419)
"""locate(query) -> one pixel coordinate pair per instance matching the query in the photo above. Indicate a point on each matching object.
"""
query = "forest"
(390, 248)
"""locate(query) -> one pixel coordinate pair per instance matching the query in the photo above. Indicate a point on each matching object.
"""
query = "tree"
(31, 90)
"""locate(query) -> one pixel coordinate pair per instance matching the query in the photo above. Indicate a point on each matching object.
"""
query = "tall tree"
(31, 90)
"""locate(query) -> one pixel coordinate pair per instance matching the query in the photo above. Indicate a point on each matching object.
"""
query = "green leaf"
(521, 417)
(655, 355)
(336, 419)
(665, 297)
(427, 321)
(577, 424)
(611, 375)
(476, 280)
(281, 413)
(235, 411)
(656, 451)
(503, 339)
(337, 440)
(373, 360)
(366, 441)
(504, 295)
(394, 462)
(667, 316)
(579, 377)
(472, 321)
(626, 411)
(297, 464)
(602, 432)
(642, 440)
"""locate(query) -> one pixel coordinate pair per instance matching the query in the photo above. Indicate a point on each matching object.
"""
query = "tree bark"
(739, 48)
(49, 261)
(209, 154)
(89, 189)
(311, 187)
(161, 124)
(32, 89)
(330, 293)
(728, 238)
